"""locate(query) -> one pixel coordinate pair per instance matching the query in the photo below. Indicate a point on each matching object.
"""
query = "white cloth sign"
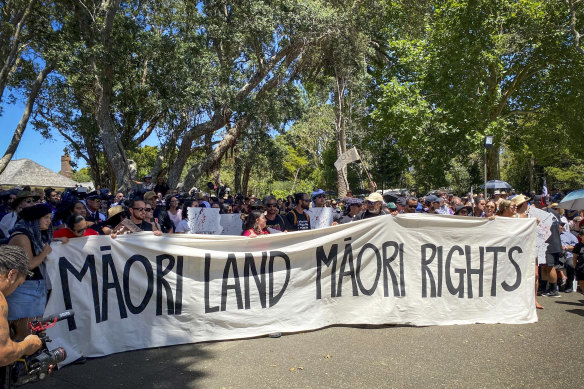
(320, 217)
(546, 220)
(349, 156)
(231, 224)
(141, 290)
(204, 221)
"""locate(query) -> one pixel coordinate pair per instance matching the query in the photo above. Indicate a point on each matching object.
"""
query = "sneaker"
(568, 290)
(554, 293)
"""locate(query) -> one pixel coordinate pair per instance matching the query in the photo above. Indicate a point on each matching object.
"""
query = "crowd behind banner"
(32, 219)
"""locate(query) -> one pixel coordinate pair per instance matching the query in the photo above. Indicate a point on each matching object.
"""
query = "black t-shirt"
(296, 221)
(145, 226)
(161, 188)
(579, 251)
(554, 241)
(347, 219)
(277, 224)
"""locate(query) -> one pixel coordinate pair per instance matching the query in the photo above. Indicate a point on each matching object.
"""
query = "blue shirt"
(568, 239)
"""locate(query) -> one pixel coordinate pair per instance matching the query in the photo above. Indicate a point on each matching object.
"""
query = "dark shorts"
(553, 259)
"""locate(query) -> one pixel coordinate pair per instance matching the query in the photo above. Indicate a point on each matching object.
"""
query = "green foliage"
(413, 85)
(82, 175)
(144, 159)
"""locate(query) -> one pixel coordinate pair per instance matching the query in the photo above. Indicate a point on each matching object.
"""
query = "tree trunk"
(340, 134)
(493, 163)
(13, 51)
(245, 180)
(218, 152)
(531, 174)
(237, 175)
(34, 92)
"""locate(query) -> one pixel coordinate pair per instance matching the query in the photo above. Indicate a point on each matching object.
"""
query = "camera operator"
(13, 272)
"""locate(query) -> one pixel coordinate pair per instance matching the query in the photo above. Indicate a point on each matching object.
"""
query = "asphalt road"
(545, 354)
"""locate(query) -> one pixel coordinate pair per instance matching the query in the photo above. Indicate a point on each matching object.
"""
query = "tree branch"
(11, 58)
(17, 136)
(149, 129)
(575, 33)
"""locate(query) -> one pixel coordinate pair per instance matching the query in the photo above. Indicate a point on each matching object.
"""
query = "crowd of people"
(31, 220)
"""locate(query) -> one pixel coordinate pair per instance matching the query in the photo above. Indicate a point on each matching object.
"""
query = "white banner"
(231, 224)
(204, 220)
(141, 290)
(320, 217)
(544, 225)
(349, 156)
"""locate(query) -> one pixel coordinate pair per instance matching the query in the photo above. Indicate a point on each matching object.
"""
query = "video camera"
(36, 367)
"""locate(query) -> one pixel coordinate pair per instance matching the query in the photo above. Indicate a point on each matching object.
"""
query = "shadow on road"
(569, 303)
(579, 312)
(165, 367)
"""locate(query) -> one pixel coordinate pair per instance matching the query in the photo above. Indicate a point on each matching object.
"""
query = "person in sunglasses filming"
(374, 206)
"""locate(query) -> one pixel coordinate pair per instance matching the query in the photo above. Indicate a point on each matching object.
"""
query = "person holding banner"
(34, 233)
(255, 224)
(76, 227)
(374, 202)
(354, 211)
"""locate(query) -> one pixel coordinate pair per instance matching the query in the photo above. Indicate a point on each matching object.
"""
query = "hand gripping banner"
(140, 290)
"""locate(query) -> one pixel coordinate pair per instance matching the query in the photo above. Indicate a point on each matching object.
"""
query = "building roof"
(21, 172)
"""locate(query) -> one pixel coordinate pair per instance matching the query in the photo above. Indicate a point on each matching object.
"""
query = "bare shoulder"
(19, 240)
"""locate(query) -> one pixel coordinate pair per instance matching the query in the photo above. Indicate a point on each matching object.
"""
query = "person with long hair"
(149, 210)
(33, 232)
(173, 210)
(75, 227)
(505, 209)
(183, 225)
(74, 207)
(255, 224)
(522, 204)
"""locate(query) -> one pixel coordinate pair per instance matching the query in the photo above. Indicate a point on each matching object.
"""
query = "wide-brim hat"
(150, 194)
(520, 199)
(114, 215)
(35, 212)
(23, 194)
(461, 207)
(374, 197)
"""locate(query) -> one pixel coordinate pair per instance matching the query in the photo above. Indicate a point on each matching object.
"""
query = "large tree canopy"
(261, 92)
